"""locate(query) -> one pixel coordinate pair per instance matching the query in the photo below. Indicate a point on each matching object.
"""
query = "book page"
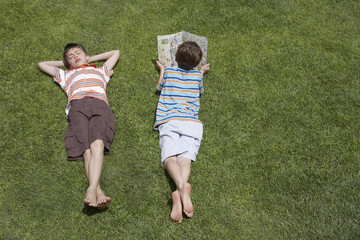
(201, 41)
(168, 45)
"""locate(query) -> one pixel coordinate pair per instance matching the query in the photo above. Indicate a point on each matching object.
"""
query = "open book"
(168, 45)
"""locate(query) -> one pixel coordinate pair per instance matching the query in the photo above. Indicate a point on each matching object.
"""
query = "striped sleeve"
(201, 86)
(160, 85)
(107, 73)
(60, 78)
(162, 82)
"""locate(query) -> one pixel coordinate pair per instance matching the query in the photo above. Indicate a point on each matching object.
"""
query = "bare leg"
(90, 199)
(93, 161)
(188, 208)
(174, 171)
(179, 171)
(173, 168)
(87, 155)
(99, 192)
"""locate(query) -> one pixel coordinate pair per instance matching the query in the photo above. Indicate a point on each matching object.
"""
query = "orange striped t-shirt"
(83, 82)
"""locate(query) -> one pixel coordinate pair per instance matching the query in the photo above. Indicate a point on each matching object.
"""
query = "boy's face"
(76, 57)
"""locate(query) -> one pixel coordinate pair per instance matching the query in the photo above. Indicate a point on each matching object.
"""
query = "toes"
(178, 221)
(88, 202)
(102, 203)
(186, 200)
(189, 214)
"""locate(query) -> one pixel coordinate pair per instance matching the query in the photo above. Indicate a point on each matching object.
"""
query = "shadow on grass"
(90, 211)
(172, 185)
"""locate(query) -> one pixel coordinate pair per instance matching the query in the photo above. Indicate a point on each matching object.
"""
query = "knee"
(184, 161)
(97, 145)
(169, 160)
(87, 154)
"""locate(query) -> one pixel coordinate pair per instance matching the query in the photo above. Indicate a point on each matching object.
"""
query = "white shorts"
(180, 138)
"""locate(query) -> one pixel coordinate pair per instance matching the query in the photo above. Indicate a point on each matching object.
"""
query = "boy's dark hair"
(188, 55)
(67, 48)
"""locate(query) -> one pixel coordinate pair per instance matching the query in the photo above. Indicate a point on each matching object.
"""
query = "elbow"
(117, 53)
(40, 65)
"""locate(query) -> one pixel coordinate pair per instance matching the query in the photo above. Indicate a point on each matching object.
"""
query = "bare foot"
(90, 198)
(102, 200)
(176, 211)
(186, 200)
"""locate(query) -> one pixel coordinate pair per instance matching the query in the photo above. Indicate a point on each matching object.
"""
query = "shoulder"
(182, 71)
(194, 71)
(170, 69)
(177, 72)
(170, 72)
(62, 72)
(68, 70)
(191, 72)
(77, 71)
(105, 70)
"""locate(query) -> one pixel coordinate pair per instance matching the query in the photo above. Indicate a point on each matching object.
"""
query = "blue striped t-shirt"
(179, 98)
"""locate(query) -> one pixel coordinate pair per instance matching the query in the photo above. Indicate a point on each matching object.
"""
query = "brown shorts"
(89, 119)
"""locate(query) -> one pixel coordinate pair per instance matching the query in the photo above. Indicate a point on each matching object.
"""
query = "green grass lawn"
(280, 154)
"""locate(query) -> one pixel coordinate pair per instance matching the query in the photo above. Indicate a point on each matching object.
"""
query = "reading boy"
(180, 130)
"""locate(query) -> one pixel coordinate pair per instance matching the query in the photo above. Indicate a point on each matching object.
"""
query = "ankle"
(91, 189)
(180, 186)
